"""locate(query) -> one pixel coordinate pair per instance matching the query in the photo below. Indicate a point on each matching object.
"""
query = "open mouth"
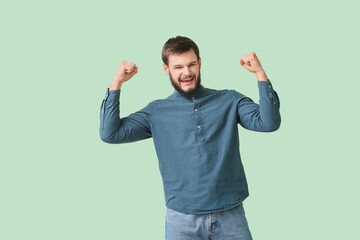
(187, 81)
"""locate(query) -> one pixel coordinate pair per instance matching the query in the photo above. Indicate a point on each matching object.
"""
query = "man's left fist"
(251, 63)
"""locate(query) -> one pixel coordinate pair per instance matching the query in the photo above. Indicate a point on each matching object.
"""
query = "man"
(195, 133)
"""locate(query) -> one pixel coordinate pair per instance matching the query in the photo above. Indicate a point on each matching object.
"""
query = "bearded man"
(195, 133)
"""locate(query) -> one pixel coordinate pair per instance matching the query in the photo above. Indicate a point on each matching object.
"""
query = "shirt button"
(198, 126)
(195, 110)
(269, 86)
(274, 102)
(193, 98)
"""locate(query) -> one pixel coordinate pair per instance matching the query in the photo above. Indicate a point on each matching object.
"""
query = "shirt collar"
(199, 93)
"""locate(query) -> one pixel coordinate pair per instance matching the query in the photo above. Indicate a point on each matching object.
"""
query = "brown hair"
(178, 45)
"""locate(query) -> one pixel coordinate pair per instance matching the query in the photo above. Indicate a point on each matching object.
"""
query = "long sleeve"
(113, 129)
(263, 117)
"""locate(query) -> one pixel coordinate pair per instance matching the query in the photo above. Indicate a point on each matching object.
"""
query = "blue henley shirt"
(196, 140)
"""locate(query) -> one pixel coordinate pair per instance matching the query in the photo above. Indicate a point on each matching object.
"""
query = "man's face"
(184, 72)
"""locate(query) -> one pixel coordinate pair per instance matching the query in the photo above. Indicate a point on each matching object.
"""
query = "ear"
(166, 69)
(199, 62)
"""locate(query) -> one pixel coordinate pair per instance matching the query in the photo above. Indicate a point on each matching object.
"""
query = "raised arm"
(265, 116)
(113, 129)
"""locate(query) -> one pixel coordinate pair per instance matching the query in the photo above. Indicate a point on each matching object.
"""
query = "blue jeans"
(229, 224)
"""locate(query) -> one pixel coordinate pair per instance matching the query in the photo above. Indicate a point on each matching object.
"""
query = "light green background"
(58, 180)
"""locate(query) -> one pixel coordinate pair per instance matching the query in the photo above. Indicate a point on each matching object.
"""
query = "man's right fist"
(125, 71)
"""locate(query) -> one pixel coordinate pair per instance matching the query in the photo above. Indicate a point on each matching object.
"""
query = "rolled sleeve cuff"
(112, 95)
(265, 86)
(267, 91)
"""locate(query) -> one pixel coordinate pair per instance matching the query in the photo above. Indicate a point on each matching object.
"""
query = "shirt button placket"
(200, 131)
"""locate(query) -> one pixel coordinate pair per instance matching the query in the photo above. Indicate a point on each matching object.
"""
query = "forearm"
(269, 106)
(109, 115)
(269, 102)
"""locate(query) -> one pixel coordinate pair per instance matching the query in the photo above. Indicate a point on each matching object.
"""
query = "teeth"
(184, 80)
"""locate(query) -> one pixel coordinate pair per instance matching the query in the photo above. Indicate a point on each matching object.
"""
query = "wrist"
(261, 75)
(115, 84)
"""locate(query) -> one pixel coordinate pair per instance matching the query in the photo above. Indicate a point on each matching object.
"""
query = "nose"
(186, 71)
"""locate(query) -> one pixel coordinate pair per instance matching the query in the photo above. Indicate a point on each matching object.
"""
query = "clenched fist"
(125, 71)
(251, 63)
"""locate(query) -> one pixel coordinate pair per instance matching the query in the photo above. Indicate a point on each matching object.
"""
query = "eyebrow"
(179, 65)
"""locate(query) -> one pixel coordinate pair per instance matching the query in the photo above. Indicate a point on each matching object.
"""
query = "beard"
(180, 90)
